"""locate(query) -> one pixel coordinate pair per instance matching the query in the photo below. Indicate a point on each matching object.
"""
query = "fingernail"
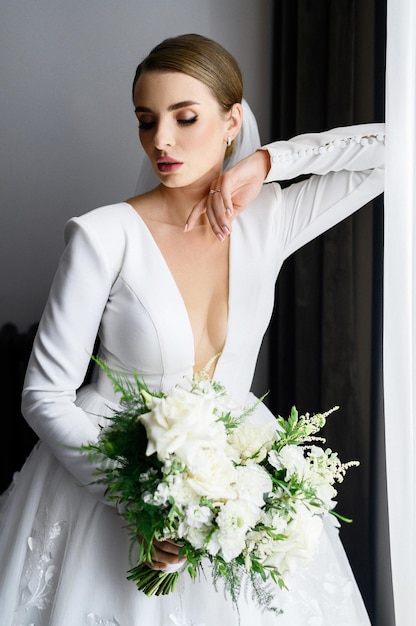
(220, 236)
(185, 228)
(226, 230)
(228, 212)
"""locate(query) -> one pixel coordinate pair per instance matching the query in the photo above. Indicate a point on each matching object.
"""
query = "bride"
(168, 279)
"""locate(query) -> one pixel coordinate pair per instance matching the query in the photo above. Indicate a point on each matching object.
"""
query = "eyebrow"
(172, 107)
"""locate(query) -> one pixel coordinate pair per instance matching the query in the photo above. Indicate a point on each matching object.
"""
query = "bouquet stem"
(153, 582)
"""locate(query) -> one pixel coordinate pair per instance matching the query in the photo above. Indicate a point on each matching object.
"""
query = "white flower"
(291, 459)
(275, 521)
(326, 493)
(195, 525)
(253, 440)
(211, 473)
(197, 516)
(253, 482)
(260, 542)
(324, 462)
(161, 494)
(320, 474)
(301, 544)
(234, 520)
(180, 419)
(197, 537)
(222, 401)
(181, 491)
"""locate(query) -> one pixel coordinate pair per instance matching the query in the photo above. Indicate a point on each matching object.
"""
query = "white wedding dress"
(63, 550)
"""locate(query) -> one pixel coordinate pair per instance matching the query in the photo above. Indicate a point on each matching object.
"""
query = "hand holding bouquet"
(190, 467)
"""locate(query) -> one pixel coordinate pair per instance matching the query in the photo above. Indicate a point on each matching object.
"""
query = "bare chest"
(199, 265)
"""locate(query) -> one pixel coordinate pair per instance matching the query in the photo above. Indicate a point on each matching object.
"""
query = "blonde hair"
(203, 59)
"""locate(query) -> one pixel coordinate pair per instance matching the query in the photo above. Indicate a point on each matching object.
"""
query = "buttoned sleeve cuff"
(352, 148)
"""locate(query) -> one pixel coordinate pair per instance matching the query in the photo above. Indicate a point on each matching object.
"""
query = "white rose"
(253, 482)
(178, 419)
(253, 440)
(302, 542)
(211, 473)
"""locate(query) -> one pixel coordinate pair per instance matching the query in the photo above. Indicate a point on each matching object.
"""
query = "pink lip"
(168, 165)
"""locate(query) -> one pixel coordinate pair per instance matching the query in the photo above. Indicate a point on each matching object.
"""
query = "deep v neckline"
(180, 299)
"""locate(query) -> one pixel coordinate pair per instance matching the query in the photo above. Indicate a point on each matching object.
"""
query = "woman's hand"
(231, 192)
(165, 554)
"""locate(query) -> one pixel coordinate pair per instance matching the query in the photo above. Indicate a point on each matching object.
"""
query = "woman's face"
(181, 128)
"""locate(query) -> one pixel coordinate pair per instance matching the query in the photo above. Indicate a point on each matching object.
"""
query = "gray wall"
(68, 139)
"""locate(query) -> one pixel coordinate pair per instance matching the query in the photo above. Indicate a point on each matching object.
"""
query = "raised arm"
(350, 149)
(347, 167)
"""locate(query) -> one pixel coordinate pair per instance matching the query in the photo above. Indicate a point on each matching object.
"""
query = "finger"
(167, 546)
(219, 227)
(221, 188)
(162, 557)
(156, 565)
(225, 184)
(217, 214)
(226, 189)
(198, 210)
(216, 217)
(161, 560)
(160, 565)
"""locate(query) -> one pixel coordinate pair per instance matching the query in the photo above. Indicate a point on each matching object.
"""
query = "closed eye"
(145, 125)
(188, 120)
(181, 121)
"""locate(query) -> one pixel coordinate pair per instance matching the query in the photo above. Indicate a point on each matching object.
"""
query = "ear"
(235, 120)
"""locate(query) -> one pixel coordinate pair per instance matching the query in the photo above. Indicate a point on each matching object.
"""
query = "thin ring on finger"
(228, 211)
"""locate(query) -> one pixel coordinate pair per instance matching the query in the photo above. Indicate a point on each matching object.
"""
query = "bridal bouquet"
(190, 467)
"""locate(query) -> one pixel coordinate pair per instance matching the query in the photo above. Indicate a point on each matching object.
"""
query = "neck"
(177, 203)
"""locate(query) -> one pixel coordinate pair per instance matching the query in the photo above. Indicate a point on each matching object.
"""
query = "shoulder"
(102, 232)
(107, 224)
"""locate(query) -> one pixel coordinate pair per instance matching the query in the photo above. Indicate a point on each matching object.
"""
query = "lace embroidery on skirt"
(40, 573)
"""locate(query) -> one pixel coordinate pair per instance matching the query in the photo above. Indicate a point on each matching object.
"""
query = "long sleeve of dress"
(62, 351)
(347, 167)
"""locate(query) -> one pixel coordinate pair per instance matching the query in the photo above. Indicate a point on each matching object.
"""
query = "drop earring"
(229, 141)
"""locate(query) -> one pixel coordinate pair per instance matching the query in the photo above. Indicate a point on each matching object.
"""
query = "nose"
(164, 135)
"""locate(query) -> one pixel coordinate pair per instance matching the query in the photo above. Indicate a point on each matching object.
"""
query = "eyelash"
(184, 122)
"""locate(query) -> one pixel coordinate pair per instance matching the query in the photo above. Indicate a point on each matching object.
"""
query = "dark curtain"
(18, 438)
(325, 334)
